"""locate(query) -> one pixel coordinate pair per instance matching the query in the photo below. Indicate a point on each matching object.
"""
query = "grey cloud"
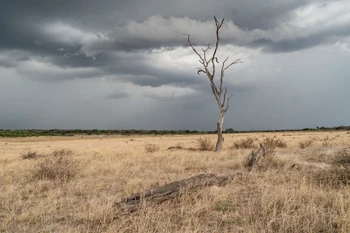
(133, 68)
(289, 45)
(118, 95)
(171, 98)
(6, 63)
(263, 15)
(20, 59)
(56, 74)
(162, 78)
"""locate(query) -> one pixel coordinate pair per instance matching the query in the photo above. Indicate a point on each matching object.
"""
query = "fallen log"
(171, 190)
(176, 148)
(182, 148)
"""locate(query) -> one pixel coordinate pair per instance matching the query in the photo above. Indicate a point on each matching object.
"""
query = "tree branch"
(228, 102)
(189, 42)
(201, 70)
(222, 74)
(232, 63)
(223, 102)
(205, 50)
(218, 26)
(205, 56)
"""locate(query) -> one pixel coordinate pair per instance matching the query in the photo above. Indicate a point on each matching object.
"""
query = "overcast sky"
(123, 64)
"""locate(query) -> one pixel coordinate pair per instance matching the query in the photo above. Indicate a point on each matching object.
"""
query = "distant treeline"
(72, 132)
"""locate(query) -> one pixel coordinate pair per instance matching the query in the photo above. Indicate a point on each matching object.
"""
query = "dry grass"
(286, 193)
(327, 141)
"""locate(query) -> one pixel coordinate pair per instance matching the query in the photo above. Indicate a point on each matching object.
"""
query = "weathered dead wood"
(176, 148)
(254, 157)
(208, 66)
(183, 148)
(171, 190)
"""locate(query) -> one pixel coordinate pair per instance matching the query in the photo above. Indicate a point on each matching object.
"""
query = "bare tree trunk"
(220, 141)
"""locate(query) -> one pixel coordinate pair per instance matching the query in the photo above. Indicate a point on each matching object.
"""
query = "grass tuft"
(205, 143)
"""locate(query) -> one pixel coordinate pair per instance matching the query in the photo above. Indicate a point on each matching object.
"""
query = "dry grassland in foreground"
(303, 187)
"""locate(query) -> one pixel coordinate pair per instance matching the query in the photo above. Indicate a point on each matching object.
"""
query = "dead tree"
(208, 67)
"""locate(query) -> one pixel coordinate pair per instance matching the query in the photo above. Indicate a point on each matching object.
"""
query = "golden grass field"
(299, 188)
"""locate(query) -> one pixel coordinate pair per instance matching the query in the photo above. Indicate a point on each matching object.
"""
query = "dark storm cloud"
(77, 59)
(76, 33)
(81, 12)
(158, 32)
(22, 23)
(255, 14)
(133, 68)
(28, 36)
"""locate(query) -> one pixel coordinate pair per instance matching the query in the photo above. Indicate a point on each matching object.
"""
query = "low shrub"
(57, 166)
(151, 148)
(270, 162)
(305, 144)
(334, 177)
(30, 155)
(339, 173)
(342, 158)
(63, 152)
(205, 143)
(270, 144)
(327, 141)
(246, 143)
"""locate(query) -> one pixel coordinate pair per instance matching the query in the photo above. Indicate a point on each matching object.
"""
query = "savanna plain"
(71, 184)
